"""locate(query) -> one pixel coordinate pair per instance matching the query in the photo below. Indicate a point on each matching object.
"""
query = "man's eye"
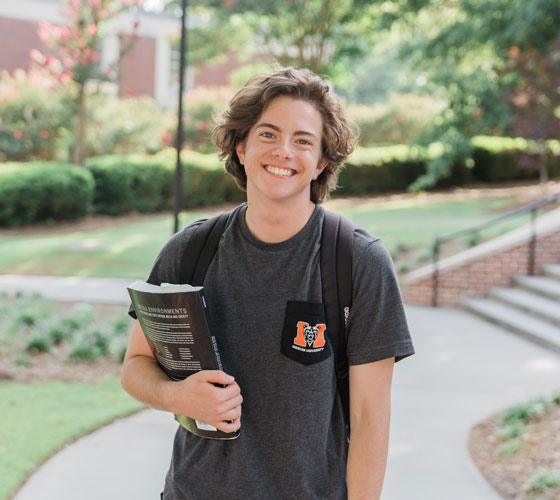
(267, 135)
(304, 142)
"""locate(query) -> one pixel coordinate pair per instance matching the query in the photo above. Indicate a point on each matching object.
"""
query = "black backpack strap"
(336, 276)
(201, 248)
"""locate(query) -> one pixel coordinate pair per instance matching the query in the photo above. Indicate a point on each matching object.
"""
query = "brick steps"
(530, 309)
(551, 270)
(541, 285)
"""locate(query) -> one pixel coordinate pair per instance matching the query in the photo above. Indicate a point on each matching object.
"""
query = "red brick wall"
(474, 278)
(138, 67)
(17, 39)
(217, 74)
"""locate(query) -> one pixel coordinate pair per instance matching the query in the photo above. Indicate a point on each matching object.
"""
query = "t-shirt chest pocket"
(304, 335)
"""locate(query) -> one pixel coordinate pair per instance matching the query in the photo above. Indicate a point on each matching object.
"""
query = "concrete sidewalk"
(69, 288)
(464, 370)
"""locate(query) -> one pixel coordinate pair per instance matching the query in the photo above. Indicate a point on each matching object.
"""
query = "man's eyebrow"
(274, 127)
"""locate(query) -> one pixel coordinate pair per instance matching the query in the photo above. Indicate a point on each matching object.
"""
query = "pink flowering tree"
(74, 53)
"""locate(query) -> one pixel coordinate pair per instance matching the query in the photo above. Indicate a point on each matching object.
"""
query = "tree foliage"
(496, 62)
(318, 34)
(73, 55)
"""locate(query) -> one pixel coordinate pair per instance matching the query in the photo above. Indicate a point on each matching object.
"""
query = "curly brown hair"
(339, 136)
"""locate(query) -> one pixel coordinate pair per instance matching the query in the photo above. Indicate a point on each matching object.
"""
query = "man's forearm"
(367, 458)
(144, 380)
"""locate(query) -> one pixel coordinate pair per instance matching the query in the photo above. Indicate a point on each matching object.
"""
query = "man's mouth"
(284, 172)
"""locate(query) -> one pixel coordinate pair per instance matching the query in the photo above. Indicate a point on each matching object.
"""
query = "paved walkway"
(464, 370)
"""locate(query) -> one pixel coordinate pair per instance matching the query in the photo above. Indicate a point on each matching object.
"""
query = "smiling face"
(282, 152)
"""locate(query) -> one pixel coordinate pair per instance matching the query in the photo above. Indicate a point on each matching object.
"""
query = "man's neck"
(277, 222)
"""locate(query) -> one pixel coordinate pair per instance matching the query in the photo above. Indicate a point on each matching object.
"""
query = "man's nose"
(283, 150)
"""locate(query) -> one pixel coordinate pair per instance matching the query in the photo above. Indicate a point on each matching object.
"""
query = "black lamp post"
(179, 142)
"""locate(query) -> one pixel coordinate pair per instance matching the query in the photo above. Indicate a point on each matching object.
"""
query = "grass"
(126, 251)
(413, 223)
(129, 251)
(38, 418)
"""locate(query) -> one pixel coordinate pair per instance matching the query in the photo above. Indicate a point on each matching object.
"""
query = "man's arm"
(196, 396)
(370, 414)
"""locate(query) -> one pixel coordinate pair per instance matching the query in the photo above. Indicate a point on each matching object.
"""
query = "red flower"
(513, 52)
(44, 134)
(18, 134)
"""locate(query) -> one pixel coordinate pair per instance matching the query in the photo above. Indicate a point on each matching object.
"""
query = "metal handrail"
(531, 207)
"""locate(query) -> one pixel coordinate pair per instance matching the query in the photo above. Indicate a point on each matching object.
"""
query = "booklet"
(173, 318)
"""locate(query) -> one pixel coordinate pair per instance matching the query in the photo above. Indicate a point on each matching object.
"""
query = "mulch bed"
(508, 474)
(56, 365)
(47, 367)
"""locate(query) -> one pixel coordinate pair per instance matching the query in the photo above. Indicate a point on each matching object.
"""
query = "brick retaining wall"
(475, 277)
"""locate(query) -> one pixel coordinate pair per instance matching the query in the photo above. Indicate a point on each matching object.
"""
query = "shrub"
(394, 168)
(398, 121)
(525, 412)
(120, 126)
(38, 343)
(375, 170)
(200, 106)
(125, 183)
(544, 480)
(90, 345)
(498, 159)
(143, 183)
(33, 118)
(40, 191)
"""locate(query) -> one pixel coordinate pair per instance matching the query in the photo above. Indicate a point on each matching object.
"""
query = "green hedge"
(141, 183)
(394, 168)
(496, 159)
(31, 192)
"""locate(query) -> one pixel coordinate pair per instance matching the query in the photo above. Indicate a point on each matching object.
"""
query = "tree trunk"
(543, 167)
(78, 155)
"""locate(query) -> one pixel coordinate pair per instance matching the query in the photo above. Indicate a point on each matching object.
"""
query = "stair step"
(551, 271)
(542, 285)
(532, 303)
(523, 324)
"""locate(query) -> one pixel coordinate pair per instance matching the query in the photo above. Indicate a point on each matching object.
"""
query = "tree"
(74, 53)
(497, 63)
(318, 34)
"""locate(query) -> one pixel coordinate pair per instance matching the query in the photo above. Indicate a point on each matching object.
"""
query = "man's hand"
(198, 397)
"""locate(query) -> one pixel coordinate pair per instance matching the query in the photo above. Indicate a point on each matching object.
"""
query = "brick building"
(150, 68)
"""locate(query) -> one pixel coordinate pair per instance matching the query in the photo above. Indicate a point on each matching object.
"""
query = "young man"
(284, 139)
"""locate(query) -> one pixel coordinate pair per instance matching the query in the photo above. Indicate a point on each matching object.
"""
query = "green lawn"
(122, 252)
(129, 251)
(38, 418)
(417, 223)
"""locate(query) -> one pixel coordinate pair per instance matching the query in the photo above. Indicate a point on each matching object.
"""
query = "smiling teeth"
(285, 172)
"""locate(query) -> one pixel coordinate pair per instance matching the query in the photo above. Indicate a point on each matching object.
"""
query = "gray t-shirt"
(293, 442)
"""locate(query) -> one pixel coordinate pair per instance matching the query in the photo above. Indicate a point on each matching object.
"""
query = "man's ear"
(240, 150)
(320, 167)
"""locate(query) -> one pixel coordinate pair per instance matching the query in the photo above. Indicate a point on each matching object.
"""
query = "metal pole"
(532, 243)
(179, 141)
(435, 275)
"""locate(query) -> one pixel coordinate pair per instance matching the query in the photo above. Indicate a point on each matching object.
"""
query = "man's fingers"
(227, 406)
(216, 377)
(231, 415)
(233, 426)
